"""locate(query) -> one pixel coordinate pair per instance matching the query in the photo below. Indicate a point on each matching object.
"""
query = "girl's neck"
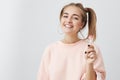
(70, 39)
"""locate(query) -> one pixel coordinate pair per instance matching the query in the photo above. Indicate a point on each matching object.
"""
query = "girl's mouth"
(68, 26)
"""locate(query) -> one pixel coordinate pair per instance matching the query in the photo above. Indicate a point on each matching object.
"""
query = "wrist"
(89, 66)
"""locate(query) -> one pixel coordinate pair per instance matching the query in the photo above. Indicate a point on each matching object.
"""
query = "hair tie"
(86, 10)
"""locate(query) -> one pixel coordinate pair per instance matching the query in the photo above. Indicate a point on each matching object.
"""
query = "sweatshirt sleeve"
(43, 69)
(98, 66)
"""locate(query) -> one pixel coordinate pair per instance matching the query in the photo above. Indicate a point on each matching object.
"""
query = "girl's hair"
(91, 18)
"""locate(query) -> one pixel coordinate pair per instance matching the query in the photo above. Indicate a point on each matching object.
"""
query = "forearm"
(90, 73)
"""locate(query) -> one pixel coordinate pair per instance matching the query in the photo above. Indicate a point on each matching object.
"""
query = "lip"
(68, 26)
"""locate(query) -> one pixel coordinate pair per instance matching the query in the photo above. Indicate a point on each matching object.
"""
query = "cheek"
(79, 24)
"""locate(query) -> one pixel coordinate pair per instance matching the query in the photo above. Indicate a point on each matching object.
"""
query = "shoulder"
(48, 49)
(51, 45)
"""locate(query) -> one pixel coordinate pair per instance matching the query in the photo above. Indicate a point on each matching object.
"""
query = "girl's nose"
(69, 20)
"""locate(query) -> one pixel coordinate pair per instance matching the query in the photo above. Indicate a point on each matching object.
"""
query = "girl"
(73, 58)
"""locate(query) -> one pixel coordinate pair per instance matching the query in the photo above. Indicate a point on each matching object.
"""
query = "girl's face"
(71, 20)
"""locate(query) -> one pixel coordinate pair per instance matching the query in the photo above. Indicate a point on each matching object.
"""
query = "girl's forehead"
(72, 10)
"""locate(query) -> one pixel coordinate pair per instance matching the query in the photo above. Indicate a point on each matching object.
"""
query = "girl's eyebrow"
(73, 14)
(76, 15)
(65, 13)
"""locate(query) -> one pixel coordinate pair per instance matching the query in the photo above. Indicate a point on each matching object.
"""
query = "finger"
(91, 55)
(90, 46)
(90, 50)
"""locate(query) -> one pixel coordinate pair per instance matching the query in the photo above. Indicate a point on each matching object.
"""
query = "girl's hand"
(90, 54)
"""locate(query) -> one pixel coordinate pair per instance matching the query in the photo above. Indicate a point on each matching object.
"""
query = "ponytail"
(91, 23)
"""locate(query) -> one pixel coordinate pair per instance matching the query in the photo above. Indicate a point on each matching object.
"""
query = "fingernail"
(88, 45)
(85, 52)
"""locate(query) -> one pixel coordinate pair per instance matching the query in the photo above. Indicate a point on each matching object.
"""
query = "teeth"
(68, 26)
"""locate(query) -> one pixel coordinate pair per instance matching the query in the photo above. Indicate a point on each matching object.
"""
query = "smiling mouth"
(68, 26)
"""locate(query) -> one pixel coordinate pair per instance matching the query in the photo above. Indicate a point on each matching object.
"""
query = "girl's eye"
(65, 16)
(76, 18)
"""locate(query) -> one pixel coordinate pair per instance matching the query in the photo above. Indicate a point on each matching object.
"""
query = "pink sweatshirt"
(62, 61)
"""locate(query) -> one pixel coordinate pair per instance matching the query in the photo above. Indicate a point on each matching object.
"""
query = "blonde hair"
(91, 18)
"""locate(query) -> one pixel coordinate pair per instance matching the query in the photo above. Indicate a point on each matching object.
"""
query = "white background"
(28, 26)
